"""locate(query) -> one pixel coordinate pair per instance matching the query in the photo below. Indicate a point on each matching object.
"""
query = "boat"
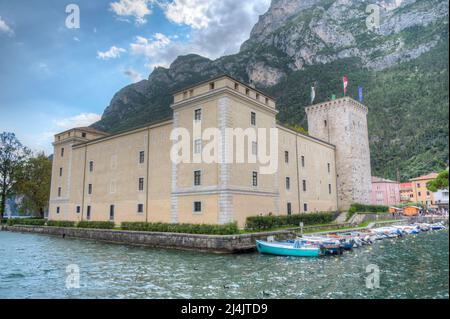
(286, 248)
(437, 226)
(329, 246)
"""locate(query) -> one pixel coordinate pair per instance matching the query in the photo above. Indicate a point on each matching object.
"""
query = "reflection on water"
(34, 266)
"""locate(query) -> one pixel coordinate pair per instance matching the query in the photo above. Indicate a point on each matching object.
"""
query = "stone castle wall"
(343, 122)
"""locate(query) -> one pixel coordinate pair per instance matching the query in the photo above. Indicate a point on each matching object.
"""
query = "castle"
(132, 175)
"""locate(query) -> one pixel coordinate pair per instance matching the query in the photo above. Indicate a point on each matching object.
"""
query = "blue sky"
(53, 77)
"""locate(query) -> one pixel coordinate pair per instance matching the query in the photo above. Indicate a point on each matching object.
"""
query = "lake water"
(34, 266)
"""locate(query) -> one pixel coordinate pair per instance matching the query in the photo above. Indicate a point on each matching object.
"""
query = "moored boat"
(286, 248)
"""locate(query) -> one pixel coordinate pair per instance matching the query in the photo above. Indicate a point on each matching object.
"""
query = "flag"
(345, 81)
(313, 94)
(360, 93)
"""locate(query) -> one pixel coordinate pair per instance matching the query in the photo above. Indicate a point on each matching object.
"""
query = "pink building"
(385, 192)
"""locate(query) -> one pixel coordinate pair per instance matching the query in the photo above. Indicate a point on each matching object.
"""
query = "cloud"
(6, 29)
(218, 28)
(153, 48)
(80, 120)
(133, 74)
(135, 8)
(190, 12)
(112, 53)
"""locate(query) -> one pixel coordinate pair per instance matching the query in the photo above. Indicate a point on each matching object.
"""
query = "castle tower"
(343, 122)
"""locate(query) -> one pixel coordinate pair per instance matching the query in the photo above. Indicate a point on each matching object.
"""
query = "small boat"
(286, 248)
(437, 226)
(330, 246)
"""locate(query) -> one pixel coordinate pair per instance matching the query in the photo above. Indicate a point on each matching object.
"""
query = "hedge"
(26, 221)
(96, 224)
(269, 222)
(226, 229)
(61, 223)
(361, 208)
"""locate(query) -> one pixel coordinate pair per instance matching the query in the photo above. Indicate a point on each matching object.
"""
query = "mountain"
(402, 66)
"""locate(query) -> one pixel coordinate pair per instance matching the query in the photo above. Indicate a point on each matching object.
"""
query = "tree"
(440, 182)
(12, 156)
(33, 184)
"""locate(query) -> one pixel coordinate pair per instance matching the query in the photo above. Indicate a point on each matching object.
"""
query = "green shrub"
(270, 222)
(227, 229)
(60, 223)
(96, 224)
(26, 221)
(361, 208)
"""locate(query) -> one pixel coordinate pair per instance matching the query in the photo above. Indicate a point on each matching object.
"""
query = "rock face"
(300, 42)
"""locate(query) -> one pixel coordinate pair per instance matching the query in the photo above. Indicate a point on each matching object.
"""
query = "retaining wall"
(209, 243)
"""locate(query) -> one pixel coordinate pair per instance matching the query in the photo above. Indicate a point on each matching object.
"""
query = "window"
(78, 209)
(191, 93)
(257, 96)
(141, 183)
(286, 157)
(303, 161)
(60, 171)
(254, 148)
(305, 207)
(62, 152)
(236, 86)
(289, 208)
(59, 191)
(418, 184)
(428, 193)
(90, 189)
(325, 123)
(255, 179)
(111, 212)
(304, 185)
(253, 118)
(211, 86)
(419, 194)
(198, 114)
(329, 167)
(247, 91)
(198, 146)
(197, 178)
(329, 188)
(83, 135)
(185, 94)
(197, 207)
(91, 166)
(141, 157)
(140, 208)
(57, 210)
(267, 100)
(88, 213)
(288, 183)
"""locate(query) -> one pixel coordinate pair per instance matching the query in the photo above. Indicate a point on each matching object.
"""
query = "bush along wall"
(95, 224)
(270, 222)
(361, 208)
(26, 221)
(226, 229)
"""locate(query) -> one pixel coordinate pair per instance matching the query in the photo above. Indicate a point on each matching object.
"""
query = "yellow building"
(420, 192)
(132, 175)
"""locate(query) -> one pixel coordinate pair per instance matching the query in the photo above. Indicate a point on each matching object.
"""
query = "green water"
(34, 266)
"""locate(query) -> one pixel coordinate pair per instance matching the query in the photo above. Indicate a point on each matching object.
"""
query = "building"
(420, 192)
(385, 192)
(406, 192)
(132, 175)
(441, 198)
